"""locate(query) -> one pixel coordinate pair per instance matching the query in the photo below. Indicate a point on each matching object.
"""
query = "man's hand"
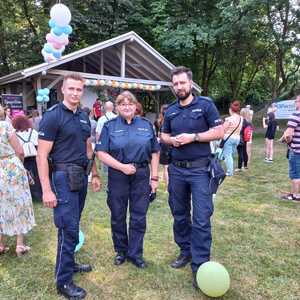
(96, 184)
(288, 135)
(49, 199)
(185, 138)
(174, 141)
(128, 169)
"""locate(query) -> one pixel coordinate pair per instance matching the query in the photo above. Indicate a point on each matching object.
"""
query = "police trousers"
(190, 186)
(66, 215)
(133, 190)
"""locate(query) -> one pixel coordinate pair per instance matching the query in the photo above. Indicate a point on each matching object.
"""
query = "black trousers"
(133, 190)
(242, 155)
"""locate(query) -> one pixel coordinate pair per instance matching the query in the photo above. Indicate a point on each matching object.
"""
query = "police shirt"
(69, 131)
(128, 143)
(198, 116)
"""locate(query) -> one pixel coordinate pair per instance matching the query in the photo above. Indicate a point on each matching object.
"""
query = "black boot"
(71, 291)
(181, 261)
(80, 268)
(120, 258)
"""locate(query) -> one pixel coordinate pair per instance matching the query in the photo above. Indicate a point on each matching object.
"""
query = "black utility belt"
(141, 165)
(65, 167)
(198, 163)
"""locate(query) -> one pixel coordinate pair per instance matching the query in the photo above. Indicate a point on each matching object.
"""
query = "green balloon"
(213, 279)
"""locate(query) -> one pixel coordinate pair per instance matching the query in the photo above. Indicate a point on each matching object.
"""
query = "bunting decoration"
(123, 85)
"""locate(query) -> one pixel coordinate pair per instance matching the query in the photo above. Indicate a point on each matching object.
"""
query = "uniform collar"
(69, 110)
(186, 106)
(125, 122)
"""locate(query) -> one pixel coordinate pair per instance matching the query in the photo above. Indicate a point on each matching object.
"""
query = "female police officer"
(128, 145)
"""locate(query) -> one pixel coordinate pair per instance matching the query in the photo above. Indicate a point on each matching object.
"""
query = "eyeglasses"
(123, 105)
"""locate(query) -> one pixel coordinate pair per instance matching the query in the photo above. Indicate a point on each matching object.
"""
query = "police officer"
(64, 139)
(190, 124)
(128, 145)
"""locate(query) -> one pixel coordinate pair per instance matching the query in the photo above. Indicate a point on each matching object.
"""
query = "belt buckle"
(188, 164)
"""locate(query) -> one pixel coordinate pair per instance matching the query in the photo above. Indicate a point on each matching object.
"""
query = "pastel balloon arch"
(58, 37)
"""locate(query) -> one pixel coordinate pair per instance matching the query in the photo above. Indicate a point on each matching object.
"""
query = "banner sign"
(284, 109)
(15, 102)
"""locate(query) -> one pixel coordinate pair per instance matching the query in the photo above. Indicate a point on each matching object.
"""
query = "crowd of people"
(50, 158)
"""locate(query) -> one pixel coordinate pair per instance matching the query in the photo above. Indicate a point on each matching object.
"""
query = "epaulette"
(110, 120)
(146, 120)
(173, 103)
(55, 106)
(206, 98)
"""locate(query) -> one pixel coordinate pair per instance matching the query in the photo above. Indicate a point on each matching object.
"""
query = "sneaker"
(237, 170)
(270, 160)
(296, 199)
(287, 197)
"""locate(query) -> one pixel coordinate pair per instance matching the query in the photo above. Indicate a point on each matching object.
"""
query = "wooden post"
(123, 61)
(101, 63)
(38, 86)
(24, 94)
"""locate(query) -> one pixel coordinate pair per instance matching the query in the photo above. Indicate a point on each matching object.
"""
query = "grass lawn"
(255, 236)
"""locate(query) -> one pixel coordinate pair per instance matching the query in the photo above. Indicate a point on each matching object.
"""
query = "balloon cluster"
(43, 95)
(58, 37)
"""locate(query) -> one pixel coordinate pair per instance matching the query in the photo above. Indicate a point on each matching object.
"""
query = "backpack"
(28, 146)
(247, 133)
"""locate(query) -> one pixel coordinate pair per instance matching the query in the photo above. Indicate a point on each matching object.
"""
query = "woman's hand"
(154, 185)
(96, 183)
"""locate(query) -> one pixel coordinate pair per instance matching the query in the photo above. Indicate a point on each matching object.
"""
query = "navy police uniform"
(129, 143)
(69, 132)
(189, 176)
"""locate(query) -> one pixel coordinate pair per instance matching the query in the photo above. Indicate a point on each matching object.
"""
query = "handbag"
(219, 150)
(217, 174)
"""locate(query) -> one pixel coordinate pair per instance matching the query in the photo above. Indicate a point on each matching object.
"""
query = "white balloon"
(60, 14)
(48, 57)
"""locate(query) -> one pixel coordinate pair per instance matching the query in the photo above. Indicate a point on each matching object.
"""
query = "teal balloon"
(58, 30)
(213, 279)
(67, 29)
(48, 48)
(46, 98)
(81, 241)
(51, 23)
(57, 54)
(39, 98)
(46, 91)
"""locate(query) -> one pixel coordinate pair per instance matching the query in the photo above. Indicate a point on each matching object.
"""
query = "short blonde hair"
(126, 95)
(245, 113)
(74, 76)
(2, 113)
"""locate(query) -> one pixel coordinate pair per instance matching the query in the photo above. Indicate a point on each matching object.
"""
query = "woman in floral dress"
(16, 211)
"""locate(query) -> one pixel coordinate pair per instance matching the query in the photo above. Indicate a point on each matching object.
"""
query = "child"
(271, 124)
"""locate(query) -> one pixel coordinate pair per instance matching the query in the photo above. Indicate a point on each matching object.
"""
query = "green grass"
(255, 236)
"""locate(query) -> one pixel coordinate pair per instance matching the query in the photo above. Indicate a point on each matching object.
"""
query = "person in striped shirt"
(292, 138)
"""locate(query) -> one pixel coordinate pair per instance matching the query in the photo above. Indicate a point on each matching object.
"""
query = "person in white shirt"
(28, 138)
(108, 115)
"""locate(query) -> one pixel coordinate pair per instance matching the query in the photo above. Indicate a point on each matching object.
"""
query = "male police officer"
(190, 124)
(64, 139)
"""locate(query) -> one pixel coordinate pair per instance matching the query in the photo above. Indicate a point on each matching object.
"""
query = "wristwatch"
(196, 137)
